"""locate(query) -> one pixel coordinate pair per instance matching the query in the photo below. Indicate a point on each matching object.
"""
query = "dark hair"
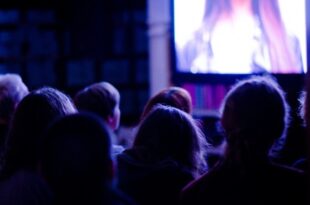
(33, 115)
(76, 156)
(170, 133)
(99, 98)
(255, 111)
(173, 96)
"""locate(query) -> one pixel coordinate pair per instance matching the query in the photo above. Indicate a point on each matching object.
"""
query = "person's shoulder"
(194, 191)
(290, 183)
(288, 176)
(128, 157)
(203, 188)
(24, 187)
(286, 171)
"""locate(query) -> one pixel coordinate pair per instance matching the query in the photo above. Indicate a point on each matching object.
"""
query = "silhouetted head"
(173, 96)
(12, 91)
(170, 133)
(255, 113)
(76, 157)
(33, 115)
(102, 99)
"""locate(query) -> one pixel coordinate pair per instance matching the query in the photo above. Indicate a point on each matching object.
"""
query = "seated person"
(166, 155)
(180, 98)
(12, 91)
(254, 115)
(102, 99)
(20, 181)
(77, 162)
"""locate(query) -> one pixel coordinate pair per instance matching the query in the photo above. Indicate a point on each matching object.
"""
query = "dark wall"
(70, 44)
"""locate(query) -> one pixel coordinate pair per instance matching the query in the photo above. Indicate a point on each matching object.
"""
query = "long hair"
(33, 115)
(99, 98)
(281, 48)
(169, 133)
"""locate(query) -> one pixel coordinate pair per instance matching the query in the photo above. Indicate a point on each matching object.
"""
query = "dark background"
(70, 44)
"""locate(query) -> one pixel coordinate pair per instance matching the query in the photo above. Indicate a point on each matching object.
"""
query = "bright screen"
(240, 36)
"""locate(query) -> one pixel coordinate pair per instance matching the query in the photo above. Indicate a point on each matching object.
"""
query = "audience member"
(102, 99)
(77, 162)
(180, 98)
(20, 183)
(296, 144)
(74, 154)
(172, 96)
(166, 155)
(254, 115)
(12, 91)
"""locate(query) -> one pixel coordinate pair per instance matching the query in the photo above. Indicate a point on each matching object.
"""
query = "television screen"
(239, 36)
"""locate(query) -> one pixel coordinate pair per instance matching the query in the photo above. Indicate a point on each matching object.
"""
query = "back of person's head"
(102, 99)
(170, 133)
(33, 115)
(172, 96)
(255, 113)
(12, 91)
(76, 158)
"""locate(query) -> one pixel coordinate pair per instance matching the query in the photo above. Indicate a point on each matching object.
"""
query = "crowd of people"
(61, 149)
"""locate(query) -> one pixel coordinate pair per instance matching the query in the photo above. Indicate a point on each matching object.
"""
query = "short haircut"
(99, 98)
